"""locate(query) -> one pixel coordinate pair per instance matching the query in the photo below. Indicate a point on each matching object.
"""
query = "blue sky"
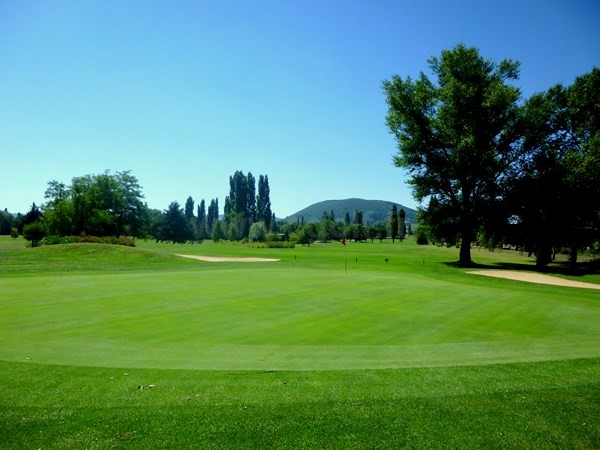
(184, 93)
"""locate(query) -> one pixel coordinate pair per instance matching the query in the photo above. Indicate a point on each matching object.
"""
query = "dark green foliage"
(556, 201)
(421, 236)
(378, 231)
(394, 222)
(201, 220)
(308, 234)
(243, 206)
(219, 232)
(402, 224)
(358, 232)
(189, 208)
(33, 215)
(6, 222)
(327, 229)
(101, 205)
(34, 232)
(456, 138)
(212, 216)
(251, 194)
(263, 202)
(175, 226)
(111, 240)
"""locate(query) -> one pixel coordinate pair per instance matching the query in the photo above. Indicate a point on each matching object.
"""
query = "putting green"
(283, 316)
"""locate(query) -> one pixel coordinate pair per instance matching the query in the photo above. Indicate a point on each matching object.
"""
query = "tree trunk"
(465, 251)
(573, 256)
(543, 256)
(466, 235)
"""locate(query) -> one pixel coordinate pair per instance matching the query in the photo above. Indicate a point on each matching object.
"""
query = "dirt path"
(531, 277)
(223, 259)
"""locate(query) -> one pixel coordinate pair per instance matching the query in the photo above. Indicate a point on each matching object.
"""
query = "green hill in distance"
(373, 211)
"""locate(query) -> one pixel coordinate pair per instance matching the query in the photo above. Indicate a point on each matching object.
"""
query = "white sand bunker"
(224, 259)
(532, 277)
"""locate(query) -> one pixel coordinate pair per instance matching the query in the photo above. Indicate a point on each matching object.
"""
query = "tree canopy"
(456, 136)
(99, 205)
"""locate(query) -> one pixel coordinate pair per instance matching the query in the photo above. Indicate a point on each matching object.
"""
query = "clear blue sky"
(184, 93)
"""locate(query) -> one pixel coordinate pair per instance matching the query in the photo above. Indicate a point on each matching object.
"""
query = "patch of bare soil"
(532, 277)
(224, 259)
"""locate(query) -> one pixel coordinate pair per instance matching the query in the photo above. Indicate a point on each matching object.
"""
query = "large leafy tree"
(556, 201)
(456, 135)
(101, 205)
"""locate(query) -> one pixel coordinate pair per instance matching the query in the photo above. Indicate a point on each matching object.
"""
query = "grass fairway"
(371, 346)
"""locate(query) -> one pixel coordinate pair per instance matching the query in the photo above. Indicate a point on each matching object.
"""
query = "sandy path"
(222, 259)
(532, 277)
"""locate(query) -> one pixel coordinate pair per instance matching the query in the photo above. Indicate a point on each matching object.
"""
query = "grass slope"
(408, 352)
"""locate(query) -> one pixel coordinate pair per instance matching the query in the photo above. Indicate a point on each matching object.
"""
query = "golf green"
(304, 313)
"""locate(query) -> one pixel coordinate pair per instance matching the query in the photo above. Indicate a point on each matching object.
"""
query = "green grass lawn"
(367, 346)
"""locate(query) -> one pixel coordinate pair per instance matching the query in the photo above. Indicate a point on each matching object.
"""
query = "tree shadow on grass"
(555, 268)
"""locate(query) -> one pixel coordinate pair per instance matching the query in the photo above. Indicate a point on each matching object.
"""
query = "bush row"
(267, 244)
(121, 240)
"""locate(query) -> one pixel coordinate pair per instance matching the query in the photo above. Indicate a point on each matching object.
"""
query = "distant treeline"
(111, 205)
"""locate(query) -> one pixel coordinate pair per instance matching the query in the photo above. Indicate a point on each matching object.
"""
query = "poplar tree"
(394, 222)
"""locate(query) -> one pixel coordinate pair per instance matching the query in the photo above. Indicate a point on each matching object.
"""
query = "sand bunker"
(532, 277)
(223, 259)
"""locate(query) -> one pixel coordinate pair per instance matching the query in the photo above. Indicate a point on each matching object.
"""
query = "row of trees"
(247, 214)
(488, 164)
(112, 205)
(328, 229)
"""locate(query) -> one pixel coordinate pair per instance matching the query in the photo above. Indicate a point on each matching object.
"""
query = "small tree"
(176, 227)
(421, 236)
(34, 232)
(258, 232)
(307, 234)
(218, 231)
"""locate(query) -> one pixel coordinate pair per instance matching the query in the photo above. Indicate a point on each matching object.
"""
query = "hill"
(373, 210)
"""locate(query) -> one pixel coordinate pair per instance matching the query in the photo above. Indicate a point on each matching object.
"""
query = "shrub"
(258, 232)
(56, 240)
(85, 239)
(421, 237)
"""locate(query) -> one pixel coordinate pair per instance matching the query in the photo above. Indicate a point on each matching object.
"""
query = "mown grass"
(302, 353)
(535, 405)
